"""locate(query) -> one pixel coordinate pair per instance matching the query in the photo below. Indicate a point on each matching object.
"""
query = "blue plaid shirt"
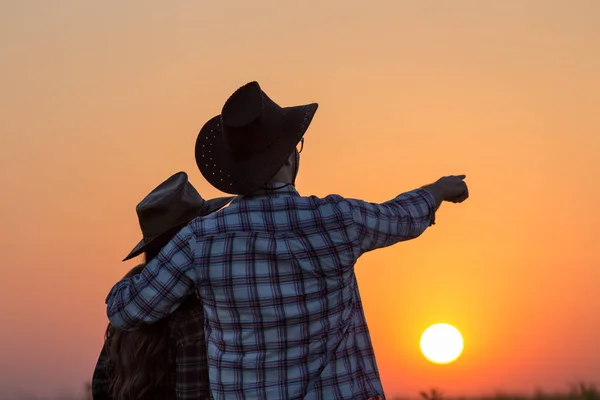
(275, 271)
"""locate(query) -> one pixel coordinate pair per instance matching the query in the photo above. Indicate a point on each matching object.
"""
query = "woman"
(166, 360)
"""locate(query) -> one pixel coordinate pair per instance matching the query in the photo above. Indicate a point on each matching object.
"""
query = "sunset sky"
(102, 100)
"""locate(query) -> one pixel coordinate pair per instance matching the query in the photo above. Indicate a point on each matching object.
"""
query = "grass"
(580, 391)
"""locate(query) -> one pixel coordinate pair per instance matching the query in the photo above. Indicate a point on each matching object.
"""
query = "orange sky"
(100, 101)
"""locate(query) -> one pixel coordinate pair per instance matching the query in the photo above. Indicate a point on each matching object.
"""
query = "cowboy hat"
(241, 149)
(173, 204)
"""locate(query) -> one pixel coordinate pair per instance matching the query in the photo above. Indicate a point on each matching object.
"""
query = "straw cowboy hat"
(241, 149)
(172, 205)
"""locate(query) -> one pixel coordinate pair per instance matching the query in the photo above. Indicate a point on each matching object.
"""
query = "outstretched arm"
(158, 290)
(405, 217)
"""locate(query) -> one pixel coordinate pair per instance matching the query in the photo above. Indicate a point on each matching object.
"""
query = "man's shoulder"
(316, 201)
(341, 203)
(238, 214)
(282, 218)
(310, 207)
(330, 198)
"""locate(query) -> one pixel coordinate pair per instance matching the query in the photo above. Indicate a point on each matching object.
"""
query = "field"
(580, 391)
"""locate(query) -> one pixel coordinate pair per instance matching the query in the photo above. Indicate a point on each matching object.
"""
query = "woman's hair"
(138, 360)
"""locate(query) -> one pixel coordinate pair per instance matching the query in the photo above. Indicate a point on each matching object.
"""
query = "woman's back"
(165, 361)
(187, 351)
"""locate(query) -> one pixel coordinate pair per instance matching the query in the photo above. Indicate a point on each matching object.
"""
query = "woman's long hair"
(138, 360)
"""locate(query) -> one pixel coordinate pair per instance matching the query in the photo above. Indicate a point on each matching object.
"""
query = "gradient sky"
(101, 101)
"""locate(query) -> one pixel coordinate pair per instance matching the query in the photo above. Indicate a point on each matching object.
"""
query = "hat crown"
(244, 106)
(250, 121)
(168, 205)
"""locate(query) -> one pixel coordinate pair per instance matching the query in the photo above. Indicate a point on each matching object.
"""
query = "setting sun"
(441, 343)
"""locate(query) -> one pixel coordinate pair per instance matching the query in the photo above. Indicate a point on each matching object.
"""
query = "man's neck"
(274, 189)
(275, 184)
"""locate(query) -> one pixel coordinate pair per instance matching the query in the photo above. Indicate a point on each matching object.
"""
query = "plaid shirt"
(275, 272)
(186, 362)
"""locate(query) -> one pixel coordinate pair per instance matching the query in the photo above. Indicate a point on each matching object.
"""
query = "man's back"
(282, 305)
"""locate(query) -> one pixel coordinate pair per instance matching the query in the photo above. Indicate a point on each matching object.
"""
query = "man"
(166, 360)
(275, 270)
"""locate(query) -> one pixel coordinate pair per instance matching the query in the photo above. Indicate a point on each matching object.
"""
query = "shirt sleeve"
(403, 218)
(158, 290)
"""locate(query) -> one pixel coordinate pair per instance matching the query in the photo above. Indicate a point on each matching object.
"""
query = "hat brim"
(211, 206)
(245, 175)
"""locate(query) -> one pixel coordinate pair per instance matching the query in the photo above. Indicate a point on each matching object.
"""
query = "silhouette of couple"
(257, 300)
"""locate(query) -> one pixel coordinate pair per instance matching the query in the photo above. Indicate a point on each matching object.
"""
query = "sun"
(441, 343)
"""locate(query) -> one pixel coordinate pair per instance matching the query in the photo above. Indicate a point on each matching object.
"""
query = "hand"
(454, 188)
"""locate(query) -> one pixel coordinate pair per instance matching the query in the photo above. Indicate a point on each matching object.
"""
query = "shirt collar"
(271, 190)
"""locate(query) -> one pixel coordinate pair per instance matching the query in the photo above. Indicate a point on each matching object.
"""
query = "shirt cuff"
(430, 200)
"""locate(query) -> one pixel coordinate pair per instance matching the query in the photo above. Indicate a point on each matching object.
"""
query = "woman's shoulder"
(192, 304)
(188, 319)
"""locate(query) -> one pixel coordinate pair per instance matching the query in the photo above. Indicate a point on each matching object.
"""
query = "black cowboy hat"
(241, 149)
(170, 206)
